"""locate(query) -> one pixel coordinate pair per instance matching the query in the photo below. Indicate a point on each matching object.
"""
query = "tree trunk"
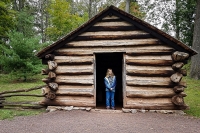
(127, 6)
(195, 66)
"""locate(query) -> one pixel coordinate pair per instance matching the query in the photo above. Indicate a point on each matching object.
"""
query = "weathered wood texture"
(149, 92)
(70, 100)
(152, 103)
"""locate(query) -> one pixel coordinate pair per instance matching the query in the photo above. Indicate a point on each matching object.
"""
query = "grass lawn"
(193, 97)
(9, 83)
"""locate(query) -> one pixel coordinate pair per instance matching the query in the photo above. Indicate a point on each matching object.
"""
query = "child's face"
(109, 72)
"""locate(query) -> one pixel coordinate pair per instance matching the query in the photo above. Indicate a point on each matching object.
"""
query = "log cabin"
(146, 61)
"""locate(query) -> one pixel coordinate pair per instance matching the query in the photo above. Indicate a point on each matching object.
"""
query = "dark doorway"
(103, 62)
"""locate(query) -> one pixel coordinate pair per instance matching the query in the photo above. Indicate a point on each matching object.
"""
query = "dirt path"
(77, 121)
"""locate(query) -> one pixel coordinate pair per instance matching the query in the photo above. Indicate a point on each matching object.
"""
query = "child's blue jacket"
(108, 85)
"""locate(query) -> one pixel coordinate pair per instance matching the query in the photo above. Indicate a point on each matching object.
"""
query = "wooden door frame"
(123, 76)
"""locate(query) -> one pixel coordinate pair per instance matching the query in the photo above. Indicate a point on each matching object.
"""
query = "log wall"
(148, 66)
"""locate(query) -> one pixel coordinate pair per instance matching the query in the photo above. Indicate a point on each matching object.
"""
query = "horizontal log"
(77, 77)
(150, 57)
(180, 56)
(104, 43)
(176, 77)
(143, 92)
(75, 92)
(74, 71)
(130, 67)
(150, 52)
(76, 101)
(52, 65)
(156, 106)
(74, 61)
(148, 78)
(149, 62)
(178, 100)
(112, 28)
(113, 37)
(114, 48)
(65, 67)
(149, 72)
(74, 81)
(78, 87)
(73, 57)
(110, 17)
(49, 57)
(22, 90)
(122, 23)
(114, 33)
(178, 65)
(152, 83)
(178, 89)
(63, 53)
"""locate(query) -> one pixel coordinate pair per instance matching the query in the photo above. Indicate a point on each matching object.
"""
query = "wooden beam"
(150, 52)
(150, 93)
(59, 52)
(74, 72)
(149, 72)
(52, 65)
(178, 100)
(150, 57)
(114, 33)
(75, 92)
(75, 77)
(122, 23)
(74, 61)
(77, 101)
(112, 37)
(49, 57)
(178, 89)
(149, 62)
(112, 28)
(115, 43)
(75, 82)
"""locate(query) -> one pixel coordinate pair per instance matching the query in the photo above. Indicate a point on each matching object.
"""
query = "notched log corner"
(46, 91)
(53, 86)
(176, 77)
(179, 56)
(45, 71)
(178, 100)
(52, 65)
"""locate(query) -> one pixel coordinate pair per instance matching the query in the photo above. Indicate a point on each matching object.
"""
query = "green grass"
(193, 97)
(7, 82)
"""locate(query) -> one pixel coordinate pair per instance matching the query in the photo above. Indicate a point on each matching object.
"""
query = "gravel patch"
(77, 121)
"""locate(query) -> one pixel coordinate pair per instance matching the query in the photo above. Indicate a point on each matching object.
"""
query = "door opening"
(103, 62)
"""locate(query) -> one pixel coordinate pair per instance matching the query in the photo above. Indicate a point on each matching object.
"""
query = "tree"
(19, 54)
(6, 21)
(61, 20)
(195, 66)
(134, 8)
(127, 9)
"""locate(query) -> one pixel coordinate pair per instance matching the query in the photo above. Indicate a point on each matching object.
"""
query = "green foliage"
(19, 56)
(61, 19)
(134, 9)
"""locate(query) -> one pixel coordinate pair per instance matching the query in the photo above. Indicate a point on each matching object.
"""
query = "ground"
(78, 121)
